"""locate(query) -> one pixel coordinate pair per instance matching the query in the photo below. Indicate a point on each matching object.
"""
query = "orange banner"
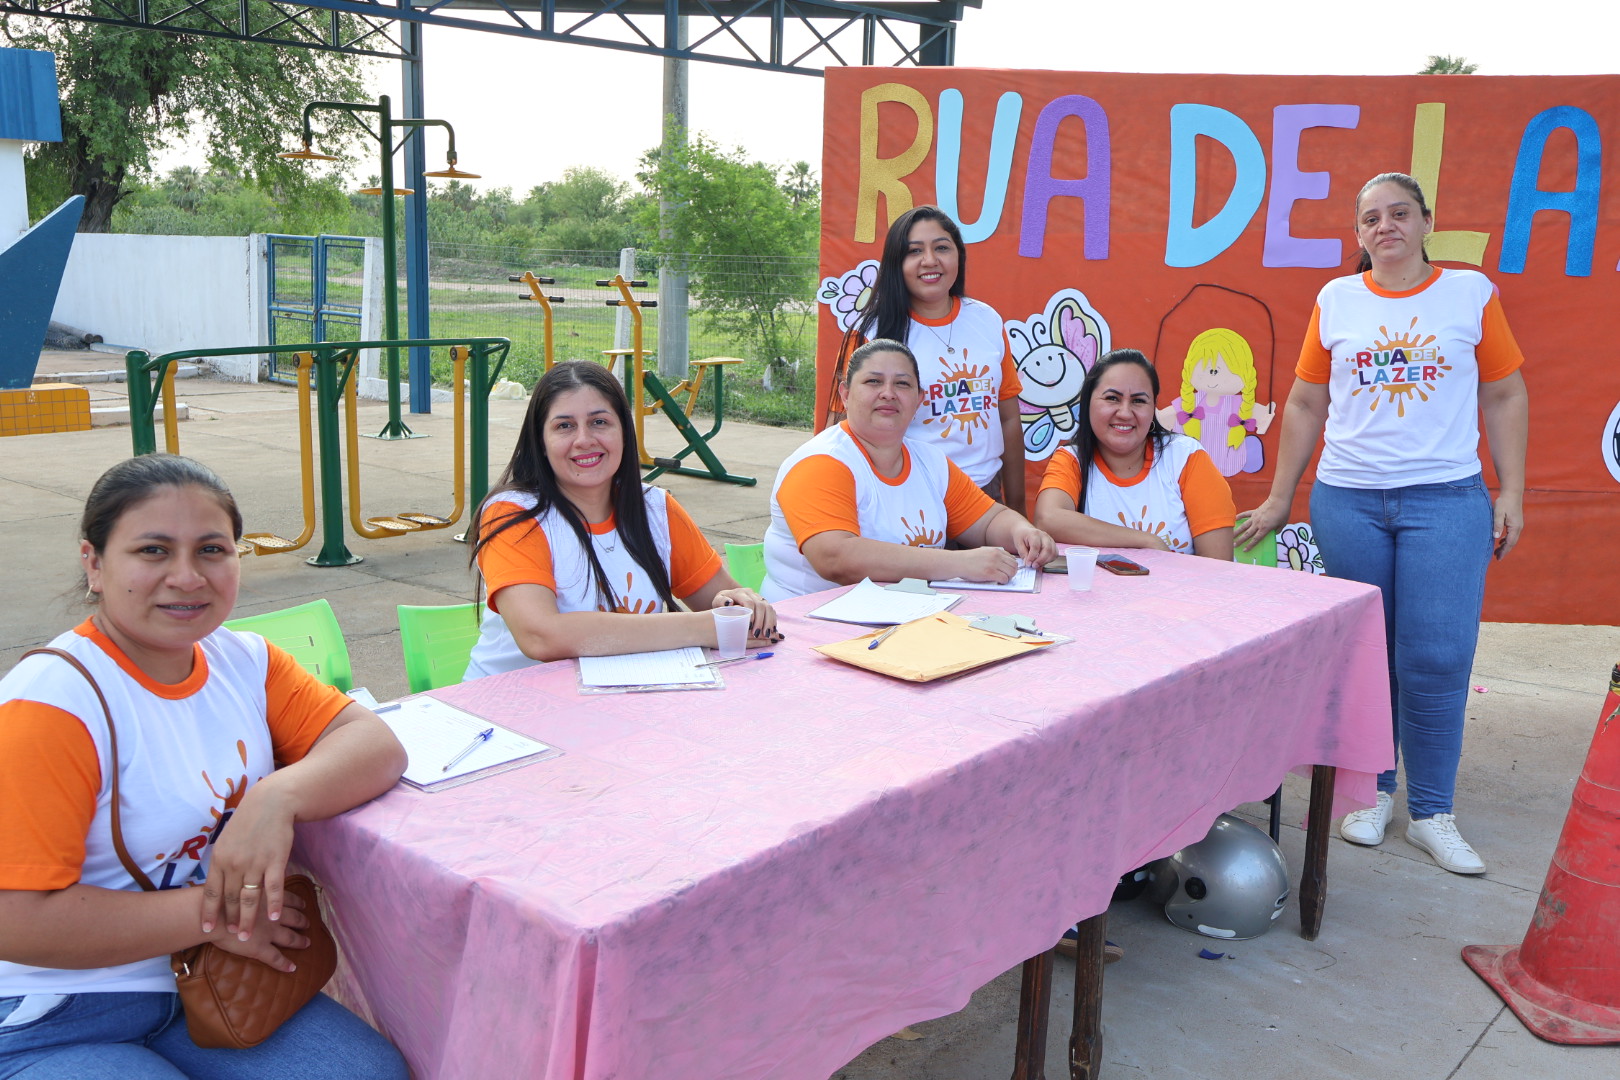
(1179, 213)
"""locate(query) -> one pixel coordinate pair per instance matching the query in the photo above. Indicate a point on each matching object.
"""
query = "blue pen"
(478, 740)
(738, 659)
(881, 638)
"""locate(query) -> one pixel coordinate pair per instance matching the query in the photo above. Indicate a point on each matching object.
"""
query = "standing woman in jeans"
(970, 382)
(1397, 362)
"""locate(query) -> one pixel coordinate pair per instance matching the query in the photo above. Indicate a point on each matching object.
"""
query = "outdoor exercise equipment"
(538, 295)
(383, 133)
(640, 382)
(379, 528)
(264, 543)
(330, 366)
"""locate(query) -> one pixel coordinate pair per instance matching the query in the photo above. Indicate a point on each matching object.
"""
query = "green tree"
(587, 210)
(751, 236)
(129, 94)
(800, 183)
(193, 202)
(1448, 65)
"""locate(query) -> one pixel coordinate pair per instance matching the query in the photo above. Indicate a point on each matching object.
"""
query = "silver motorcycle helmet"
(1232, 884)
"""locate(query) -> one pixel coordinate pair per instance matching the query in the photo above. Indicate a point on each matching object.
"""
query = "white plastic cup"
(1082, 565)
(731, 630)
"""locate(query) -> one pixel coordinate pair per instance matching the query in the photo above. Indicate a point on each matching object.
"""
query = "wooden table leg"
(1034, 1010)
(1085, 1041)
(1313, 882)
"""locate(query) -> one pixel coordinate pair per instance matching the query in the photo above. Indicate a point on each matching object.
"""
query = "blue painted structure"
(29, 107)
(31, 270)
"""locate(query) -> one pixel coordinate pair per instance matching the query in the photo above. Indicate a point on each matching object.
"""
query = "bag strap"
(112, 735)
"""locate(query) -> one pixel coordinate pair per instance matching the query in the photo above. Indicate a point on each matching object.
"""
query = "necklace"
(945, 341)
(599, 542)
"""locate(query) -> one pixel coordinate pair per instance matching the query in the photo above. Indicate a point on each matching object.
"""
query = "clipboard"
(933, 647)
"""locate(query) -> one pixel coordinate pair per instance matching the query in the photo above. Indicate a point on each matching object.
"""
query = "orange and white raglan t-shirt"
(546, 551)
(1403, 371)
(187, 753)
(829, 485)
(966, 370)
(1178, 495)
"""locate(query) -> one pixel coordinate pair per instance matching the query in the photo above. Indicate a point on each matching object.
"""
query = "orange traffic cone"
(1564, 980)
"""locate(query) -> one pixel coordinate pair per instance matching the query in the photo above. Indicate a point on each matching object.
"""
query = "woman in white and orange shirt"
(864, 500)
(1143, 485)
(968, 378)
(578, 557)
(1399, 361)
(223, 742)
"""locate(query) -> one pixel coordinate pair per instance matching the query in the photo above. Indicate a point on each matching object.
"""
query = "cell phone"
(1119, 564)
(1059, 565)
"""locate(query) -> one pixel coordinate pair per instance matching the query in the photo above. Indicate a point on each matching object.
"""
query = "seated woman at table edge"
(862, 500)
(1125, 481)
(222, 743)
(578, 556)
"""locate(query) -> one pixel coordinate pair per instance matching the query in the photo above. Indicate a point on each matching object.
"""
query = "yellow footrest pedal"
(263, 544)
(425, 521)
(393, 524)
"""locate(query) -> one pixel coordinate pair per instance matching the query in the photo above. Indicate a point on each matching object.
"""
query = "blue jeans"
(142, 1036)
(1426, 547)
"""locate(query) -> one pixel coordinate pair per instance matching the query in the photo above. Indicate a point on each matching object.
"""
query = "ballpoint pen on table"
(478, 740)
(738, 659)
(881, 638)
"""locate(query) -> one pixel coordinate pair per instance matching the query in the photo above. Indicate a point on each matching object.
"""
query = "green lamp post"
(384, 134)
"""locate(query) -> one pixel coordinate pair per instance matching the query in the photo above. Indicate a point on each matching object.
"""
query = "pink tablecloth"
(763, 881)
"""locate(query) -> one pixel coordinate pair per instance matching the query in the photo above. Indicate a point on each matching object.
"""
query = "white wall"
(175, 293)
(168, 293)
(13, 193)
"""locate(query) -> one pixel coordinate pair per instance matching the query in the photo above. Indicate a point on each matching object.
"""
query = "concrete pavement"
(1382, 992)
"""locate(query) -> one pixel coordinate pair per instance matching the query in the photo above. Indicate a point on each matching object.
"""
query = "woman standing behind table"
(223, 743)
(863, 499)
(969, 380)
(570, 520)
(1396, 362)
(1127, 482)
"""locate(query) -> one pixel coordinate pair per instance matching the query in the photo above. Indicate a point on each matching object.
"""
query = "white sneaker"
(1439, 837)
(1367, 826)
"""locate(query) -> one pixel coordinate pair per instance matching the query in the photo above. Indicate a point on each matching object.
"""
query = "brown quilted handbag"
(231, 1002)
(235, 1002)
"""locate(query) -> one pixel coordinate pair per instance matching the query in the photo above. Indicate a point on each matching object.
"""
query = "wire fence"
(759, 309)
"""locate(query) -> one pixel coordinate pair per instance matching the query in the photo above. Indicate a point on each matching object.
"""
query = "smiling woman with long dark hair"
(1127, 482)
(969, 381)
(577, 556)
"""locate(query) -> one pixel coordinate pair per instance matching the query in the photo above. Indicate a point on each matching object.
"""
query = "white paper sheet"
(1027, 579)
(433, 733)
(869, 604)
(665, 667)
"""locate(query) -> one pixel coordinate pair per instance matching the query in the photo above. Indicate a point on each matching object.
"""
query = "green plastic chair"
(309, 632)
(746, 564)
(437, 641)
(1263, 554)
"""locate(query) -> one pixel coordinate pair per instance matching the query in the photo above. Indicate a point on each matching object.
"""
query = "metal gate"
(316, 291)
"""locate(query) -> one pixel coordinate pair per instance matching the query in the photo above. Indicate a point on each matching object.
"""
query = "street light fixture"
(384, 135)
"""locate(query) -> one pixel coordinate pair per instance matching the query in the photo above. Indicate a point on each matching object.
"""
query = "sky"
(550, 106)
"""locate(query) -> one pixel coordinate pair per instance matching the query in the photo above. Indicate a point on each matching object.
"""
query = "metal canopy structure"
(801, 37)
